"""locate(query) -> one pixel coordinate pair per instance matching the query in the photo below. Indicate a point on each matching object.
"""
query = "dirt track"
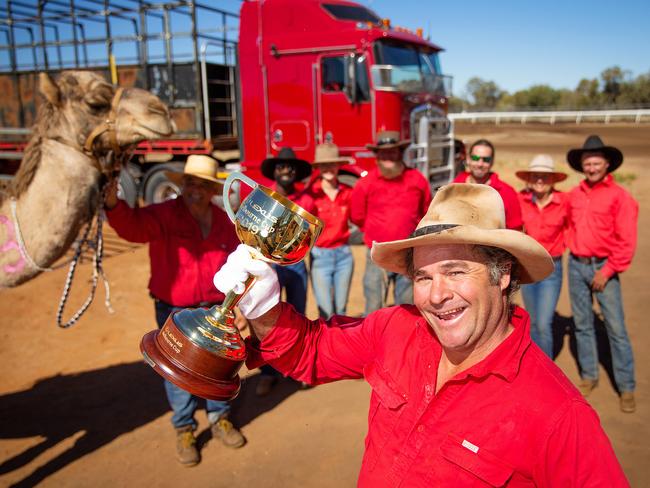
(78, 407)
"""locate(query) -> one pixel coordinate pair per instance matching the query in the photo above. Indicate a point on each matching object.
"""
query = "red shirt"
(603, 223)
(508, 195)
(546, 225)
(513, 418)
(335, 214)
(182, 261)
(389, 209)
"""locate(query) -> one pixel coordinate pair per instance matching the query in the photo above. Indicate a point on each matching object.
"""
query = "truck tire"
(156, 187)
(127, 189)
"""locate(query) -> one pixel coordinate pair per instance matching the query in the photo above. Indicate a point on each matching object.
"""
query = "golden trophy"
(200, 350)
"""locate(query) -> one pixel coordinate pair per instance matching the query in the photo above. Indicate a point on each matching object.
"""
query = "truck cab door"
(344, 115)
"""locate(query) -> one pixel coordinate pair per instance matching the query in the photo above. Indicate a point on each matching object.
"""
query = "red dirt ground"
(78, 407)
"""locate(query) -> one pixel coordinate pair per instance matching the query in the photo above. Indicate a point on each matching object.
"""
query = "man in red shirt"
(331, 264)
(479, 170)
(187, 237)
(287, 170)
(460, 394)
(386, 205)
(602, 238)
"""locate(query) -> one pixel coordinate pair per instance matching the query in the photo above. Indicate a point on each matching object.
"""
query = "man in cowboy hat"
(286, 169)
(187, 236)
(387, 205)
(602, 238)
(544, 212)
(331, 264)
(460, 394)
(479, 170)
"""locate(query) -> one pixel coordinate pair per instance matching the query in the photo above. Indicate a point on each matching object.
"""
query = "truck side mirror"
(350, 88)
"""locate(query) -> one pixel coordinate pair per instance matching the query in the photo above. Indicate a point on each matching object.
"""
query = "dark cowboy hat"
(595, 144)
(286, 155)
(388, 139)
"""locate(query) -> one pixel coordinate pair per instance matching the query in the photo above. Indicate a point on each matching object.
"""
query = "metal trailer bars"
(47, 35)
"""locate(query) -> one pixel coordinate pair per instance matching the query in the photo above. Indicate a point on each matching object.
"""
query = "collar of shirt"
(528, 195)
(505, 360)
(606, 182)
(492, 180)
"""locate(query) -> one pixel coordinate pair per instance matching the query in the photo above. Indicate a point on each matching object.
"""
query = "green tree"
(537, 96)
(636, 93)
(613, 81)
(587, 94)
(483, 94)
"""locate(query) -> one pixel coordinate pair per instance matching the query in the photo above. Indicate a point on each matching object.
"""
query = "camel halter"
(107, 126)
(96, 245)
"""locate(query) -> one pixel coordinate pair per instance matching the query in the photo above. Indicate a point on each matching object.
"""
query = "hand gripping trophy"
(200, 350)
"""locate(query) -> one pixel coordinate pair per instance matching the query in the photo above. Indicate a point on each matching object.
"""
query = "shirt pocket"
(386, 406)
(476, 466)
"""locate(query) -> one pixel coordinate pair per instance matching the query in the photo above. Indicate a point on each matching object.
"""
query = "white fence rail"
(576, 116)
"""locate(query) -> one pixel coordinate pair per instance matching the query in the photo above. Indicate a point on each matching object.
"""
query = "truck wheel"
(127, 189)
(157, 187)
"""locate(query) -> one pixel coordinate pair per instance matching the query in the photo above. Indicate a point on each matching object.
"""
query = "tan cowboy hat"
(542, 163)
(329, 153)
(464, 213)
(388, 139)
(199, 166)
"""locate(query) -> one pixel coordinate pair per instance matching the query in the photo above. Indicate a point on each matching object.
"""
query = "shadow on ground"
(563, 326)
(103, 404)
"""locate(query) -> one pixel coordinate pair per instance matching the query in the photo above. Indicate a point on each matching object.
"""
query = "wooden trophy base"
(189, 366)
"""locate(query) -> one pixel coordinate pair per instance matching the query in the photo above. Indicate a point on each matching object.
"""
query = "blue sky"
(521, 43)
(514, 43)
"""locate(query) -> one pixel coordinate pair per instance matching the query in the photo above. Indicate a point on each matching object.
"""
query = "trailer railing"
(636, 116)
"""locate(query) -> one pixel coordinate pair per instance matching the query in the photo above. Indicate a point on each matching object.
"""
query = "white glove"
(265, 292)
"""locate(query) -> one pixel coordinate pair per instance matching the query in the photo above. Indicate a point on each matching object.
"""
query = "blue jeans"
(611, 305)
(375, 286)
(293, 278)
(182, 403)
(540, 300)
(331, 274)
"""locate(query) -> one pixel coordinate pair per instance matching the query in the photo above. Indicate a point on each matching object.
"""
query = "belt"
(588, 259)
(197, 305)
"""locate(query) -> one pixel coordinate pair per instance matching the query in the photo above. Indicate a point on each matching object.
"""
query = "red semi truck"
(300, 73)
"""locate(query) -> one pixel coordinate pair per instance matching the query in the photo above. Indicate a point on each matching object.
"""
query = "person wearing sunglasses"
(479, 170)
(545, 215)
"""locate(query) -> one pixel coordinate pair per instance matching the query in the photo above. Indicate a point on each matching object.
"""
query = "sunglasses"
(533, 177)
(475, 157)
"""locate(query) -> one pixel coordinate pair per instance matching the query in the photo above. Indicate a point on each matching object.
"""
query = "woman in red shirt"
(331, 258)
(545, 216)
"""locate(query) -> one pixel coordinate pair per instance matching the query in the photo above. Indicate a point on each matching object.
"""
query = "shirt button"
(420, 428)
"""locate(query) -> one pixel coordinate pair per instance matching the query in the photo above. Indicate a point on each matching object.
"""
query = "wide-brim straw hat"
(286, 155)
(594, 143)
(329, 153)
(199, 166)
(388, 139)
(542, 163)
(464, 213)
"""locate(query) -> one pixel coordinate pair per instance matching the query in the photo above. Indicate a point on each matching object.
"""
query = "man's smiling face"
(452, 290)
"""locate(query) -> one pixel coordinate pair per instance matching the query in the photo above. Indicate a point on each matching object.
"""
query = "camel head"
(78, 102)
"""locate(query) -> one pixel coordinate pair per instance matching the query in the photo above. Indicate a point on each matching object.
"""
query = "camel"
(56, 189)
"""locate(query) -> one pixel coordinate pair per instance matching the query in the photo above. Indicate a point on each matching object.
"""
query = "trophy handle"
(226, 190)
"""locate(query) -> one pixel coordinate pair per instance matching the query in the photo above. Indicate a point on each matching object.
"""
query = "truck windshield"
(351, 12)
(408, 68)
